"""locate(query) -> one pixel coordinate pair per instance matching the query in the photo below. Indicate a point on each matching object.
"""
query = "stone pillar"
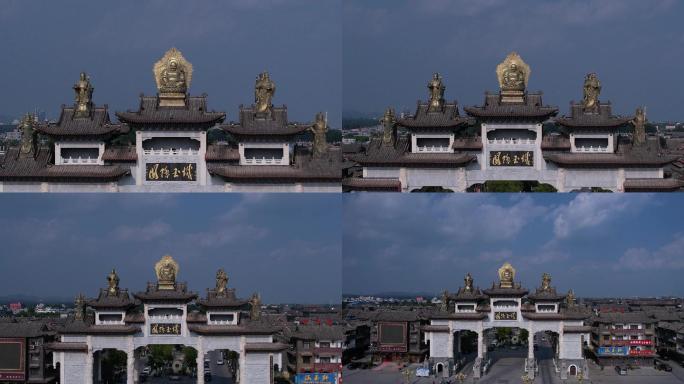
(530, 344)
(130, 366)
(480, 342)
(89, 367)
(200, 361)
(458, 343)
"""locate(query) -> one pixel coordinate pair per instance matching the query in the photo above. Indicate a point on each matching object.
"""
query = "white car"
(219, 361)
(147, 370)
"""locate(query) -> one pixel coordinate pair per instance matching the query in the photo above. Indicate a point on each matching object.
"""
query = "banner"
(316, 378)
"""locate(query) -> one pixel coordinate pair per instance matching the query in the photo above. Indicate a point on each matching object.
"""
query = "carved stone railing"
(79, 160)
(265, 161)
(171, 152)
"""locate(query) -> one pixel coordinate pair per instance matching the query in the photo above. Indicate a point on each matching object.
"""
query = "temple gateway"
(592, 148)
(160, 315)
(507, 304)
(162, 145)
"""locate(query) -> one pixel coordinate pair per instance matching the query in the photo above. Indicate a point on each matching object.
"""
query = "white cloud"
(668, 256)
(147, 232)
(500, 255)
(590, 210)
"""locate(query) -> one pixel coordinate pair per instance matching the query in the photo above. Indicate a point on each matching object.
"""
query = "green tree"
(543, 187)
(190, 357)
(524, 335)
(160, 355)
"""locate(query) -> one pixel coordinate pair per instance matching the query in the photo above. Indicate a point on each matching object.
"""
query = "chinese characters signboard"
(316, 378)
(165, 329)
(511, 158)
(505, 315)
(613, 351)
(12, 353)
(171, 171)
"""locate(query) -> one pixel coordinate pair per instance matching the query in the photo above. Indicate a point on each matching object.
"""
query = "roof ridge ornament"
(173, 75)
(546, 282)
(84, 96)
(591, 92)
(445, 301)
(436, 93)
(506, 275)
(167, 270)
(513, 75)
(264, 89)
(319, 130)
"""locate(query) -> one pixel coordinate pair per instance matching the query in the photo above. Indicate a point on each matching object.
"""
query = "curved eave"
(610, 160)
(135, 118)
(610, 124)
(103, 330)
(229, 330)
(480, 113)
(281, 173)
(460, 160)
(365, 184)
(46, 175)
(419, 125)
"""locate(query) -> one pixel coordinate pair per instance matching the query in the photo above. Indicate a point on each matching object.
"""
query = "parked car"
(147, 370)
(207, 376)
(219, 361)
(620, 370)
(174, 378)
(663, 367)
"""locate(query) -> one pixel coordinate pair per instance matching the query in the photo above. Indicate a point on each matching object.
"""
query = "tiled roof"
(327, 168)
(631, 159)
(265, 347)
(647, 185)
(222, 153)
(458, 316)
(245, 328)
(120, 153)
(105, 300)
(498, 291)
(40, 167)
(194, 112)
(24, 329)
(371, 184)
(602, 118)
(67, 347)
(97, 124)
(400, 154)
(317, 332)
(180, 293)
(227, 300)
(465, 295)
(254, 124)
(546, 295)
(531, 108)
(447, 117)
(626, 317)
(87, 327)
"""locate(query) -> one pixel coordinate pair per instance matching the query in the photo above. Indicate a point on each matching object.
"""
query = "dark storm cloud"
(280, 246)
(391, 48)
(46, 45)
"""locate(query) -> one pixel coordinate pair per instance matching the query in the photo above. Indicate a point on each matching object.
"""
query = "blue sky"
(392, 47)
(596, 244)
(287, 247)
(46, 44)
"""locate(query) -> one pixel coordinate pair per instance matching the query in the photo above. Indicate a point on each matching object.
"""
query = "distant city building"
(315, 348)
(622, 338)
(439, 153)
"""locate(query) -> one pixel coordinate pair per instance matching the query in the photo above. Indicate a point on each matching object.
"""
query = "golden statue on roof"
(387, 122)
(506, 275)
(255, 309)
(221, 282)
(436, 92)
(84, 96)
(166, 270)
(264, 90)
(79, 308)
(592, 90)
(639, 123)
(468, 280)
(28, 134)
(513, 73)
(319, 130)
(113, 283)
(546, 282)
(173, 75)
